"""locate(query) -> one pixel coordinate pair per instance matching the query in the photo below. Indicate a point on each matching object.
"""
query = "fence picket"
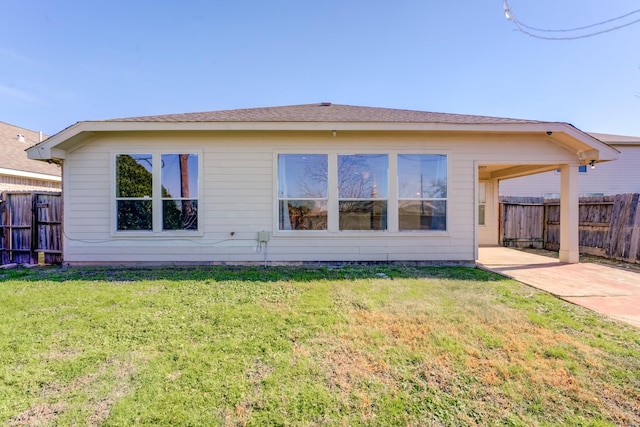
(608, 226)
(30, 223)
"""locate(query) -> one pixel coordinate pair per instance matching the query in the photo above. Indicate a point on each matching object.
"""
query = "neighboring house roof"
(616, 139)
(328, 117)
(13, 157)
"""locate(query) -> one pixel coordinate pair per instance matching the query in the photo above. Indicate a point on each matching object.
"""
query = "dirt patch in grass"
(38, 415)
(64, 354)
(401, 328)
(103, 388)
(150, 291)
(347, 366)
(254, 399)
(101, 407)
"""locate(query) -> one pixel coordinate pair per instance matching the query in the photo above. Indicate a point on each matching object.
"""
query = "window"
(134, 192)
(179, 191)
(482, 202)
(302, 191)
(157, 192)
(422, 192)
(363, 191)
(581, 169)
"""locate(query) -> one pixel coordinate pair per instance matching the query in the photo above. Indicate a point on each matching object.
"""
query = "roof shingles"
(325, 112)
(616, 139)
(13, 155)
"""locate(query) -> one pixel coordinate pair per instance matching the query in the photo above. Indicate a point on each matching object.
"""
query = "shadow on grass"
(246, 273)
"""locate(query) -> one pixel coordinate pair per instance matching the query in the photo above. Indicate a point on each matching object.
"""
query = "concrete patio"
(611, 291)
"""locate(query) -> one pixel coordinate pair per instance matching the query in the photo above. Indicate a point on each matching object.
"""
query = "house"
(305, 183)
(605, 179)
(17, 171)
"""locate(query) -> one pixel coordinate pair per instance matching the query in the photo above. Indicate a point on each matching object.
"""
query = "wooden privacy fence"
(30, 228)
(609, 226)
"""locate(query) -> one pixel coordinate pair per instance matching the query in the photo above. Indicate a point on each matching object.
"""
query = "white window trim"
(333, 200)
(157, 231)
(277, 199)
(339, 199)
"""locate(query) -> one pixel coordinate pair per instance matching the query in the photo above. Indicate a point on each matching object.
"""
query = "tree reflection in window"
(134, 190)
(302, 191)
(362, 183)
(362, 191)
(179, 191)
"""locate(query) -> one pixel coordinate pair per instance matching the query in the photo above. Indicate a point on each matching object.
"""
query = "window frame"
(364, 199)
(423, 199)
(333, 199)
(156, 197)
(148, 198)
(287, 199)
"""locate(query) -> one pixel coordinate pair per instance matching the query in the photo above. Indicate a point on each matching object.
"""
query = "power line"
(526, 29)
(581, 28)
(583, 36)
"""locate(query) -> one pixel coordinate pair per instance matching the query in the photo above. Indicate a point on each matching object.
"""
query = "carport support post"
(569, 216)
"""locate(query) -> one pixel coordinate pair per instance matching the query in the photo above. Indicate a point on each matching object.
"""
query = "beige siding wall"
(237, 198)
(488, 233)
(610, 178)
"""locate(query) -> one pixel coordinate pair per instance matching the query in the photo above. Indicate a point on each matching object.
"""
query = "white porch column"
(569, 217)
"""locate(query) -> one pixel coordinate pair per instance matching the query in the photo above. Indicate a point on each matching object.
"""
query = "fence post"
(3, 239)
(634, 223)
(34, 229)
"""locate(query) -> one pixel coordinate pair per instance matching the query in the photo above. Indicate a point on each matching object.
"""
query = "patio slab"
(610, 291)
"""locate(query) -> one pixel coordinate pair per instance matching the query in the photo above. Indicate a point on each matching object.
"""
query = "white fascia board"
(308, 126)
(45, 153)
(605, 151)
(55, 146)
(110, 126)
(49, 148)
(32, 175)
(80, 127)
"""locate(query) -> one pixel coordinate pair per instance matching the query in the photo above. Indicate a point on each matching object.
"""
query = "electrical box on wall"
(263, 236)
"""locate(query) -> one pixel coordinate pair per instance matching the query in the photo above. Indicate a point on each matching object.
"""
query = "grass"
(299, 346)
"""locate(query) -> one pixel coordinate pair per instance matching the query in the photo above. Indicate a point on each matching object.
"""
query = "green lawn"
(299, 346)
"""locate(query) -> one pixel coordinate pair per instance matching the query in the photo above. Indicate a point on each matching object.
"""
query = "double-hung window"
(156, 192)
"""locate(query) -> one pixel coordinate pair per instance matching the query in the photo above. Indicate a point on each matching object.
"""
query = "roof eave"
(31, 175)
(55, 146)
(595, 149)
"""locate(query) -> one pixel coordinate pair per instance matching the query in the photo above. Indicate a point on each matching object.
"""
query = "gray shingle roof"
(613, 139)
(13, 155)
(325, 112)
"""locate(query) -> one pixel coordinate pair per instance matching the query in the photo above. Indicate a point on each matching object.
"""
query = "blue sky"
(65, 61)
